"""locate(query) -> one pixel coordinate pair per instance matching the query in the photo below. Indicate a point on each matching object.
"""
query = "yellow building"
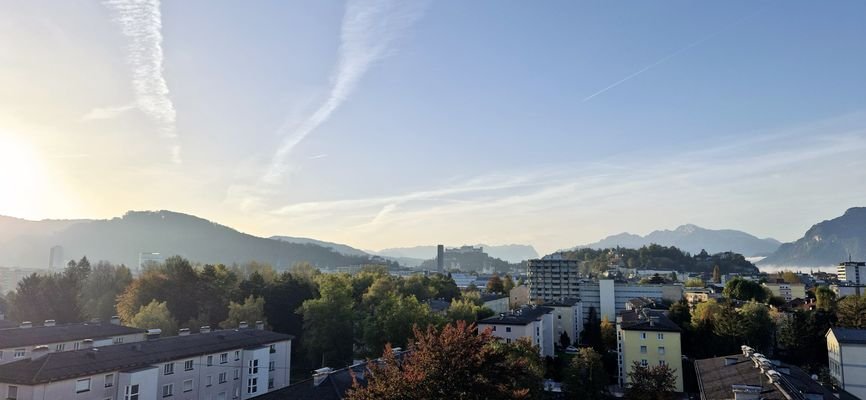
(649, 338)
(787, 291)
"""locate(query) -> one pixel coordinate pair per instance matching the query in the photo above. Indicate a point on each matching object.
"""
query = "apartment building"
(553, 277)
(852, 272)
(650, 338)
(232, 364)
(846, 350)
(19, 342)
(609, 297)
(567, 317)
(787, 291)
(531, 322)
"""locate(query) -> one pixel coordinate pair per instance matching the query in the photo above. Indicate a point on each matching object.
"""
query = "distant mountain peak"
(688, 228)
(693, 238)
(826, 243)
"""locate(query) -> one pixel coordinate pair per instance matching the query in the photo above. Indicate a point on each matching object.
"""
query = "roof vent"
(204, 329)
(730, 361)
(320, 375)
(26, 324)
(243, 325)
(183, 332)
(49, 322)
(153, 333)
(39, 352)
(87, 343)
(115, 320)
(260, 325)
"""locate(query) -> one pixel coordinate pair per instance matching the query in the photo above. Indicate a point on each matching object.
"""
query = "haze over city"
(403, 123)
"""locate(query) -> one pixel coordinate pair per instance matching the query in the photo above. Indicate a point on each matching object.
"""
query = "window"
(662, 350)
(222, 377)
(507, 329)
(76, 346)
(661, 336)
(238, 355)
(252, 385)
(187, 385)
(131, 392)
(273, 348)
(643, 363)
(254, 367)
(168, 390)
(19, 353)
(118, 340)
(82, 385)
(662, 362)
(59, 346)
(237, 374)
(643, 335)
(12, 392)
(559, 317)
(168, 369)
(494, 328)
(507, 340)
(272, 365)
(109, 380)
(208, 380)
(224, 358)
(643, 349)
(187, 365)
(209, 361)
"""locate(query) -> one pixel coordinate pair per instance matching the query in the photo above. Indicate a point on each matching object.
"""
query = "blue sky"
(382, 124)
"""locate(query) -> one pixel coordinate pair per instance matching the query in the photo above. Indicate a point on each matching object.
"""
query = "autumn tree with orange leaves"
(456, 362)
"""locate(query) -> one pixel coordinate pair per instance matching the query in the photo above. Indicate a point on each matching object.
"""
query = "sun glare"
(23, 180)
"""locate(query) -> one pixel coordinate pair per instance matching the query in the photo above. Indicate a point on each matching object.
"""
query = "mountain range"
(513, 253)
(826, 243)
(26, 243)
(693, 239)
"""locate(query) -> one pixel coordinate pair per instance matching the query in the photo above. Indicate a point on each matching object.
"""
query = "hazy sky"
(382, 124)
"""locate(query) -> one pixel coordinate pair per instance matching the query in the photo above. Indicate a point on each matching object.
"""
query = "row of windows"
(189, 365)
(83, 385)
(659, 335)
(644, 363)
(643, 350)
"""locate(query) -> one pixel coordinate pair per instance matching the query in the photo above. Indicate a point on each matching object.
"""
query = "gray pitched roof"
(522, 316)
(40, 335)
(333, 387)
(564, 302)
(717, 376)
(72, 364)
(848, 335)
(648, 320)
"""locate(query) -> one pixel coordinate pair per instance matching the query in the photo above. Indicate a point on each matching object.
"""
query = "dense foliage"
(654, 256)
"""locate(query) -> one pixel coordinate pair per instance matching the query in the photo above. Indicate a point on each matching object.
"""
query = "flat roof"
(522, 316)
(41, 335)
(124, 357)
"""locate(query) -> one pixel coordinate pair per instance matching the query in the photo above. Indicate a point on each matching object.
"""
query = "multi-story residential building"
(650, 338)
(567, 318)
(222, 365)
(496, 302)
(848, 289)
(787, 291)
(852, 272)
(609, 297)
(18, 343)
(531, 322)
(752, 376)
(846, 349)
(553, 277)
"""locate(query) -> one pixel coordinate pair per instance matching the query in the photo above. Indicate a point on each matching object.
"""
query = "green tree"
(680, 314)
(507, 284)
(790, 277)
(466, 310)
(392, 321)
(495, 285)
(651, 383)
(155, 316)
(329, 321)
(695, 282)
(564, 340)
(745, 290)
(585, 377)
(101, 288)
(251, 310)
(608, 333)
(825, 298)
(851, 312)
(591, 335)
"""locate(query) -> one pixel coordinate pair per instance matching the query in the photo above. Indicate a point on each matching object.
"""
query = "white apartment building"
(609, 297)
(787, 291)
(534, 323)
(852, 272)
(18, 343)
(553, 277)
(222, 365)
(846, 350)
(567, 317)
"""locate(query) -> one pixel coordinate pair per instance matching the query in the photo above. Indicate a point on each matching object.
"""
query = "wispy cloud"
(675, 53)
(106, 112)
(141, 22)
(368, 33)
(317, 156)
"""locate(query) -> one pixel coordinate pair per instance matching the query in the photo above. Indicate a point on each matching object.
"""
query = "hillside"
(826, 243)
(693, 239)
(350, 251)
(120, 240)
(659, 257)
(512, 253)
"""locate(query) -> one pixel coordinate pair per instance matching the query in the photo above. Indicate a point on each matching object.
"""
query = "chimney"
(115, 320)
(746, 392)
(153, 334)
(86, 344)
(49, 322)
(183, 332)
(39, 352)
(204, 329)
(730, 361)
(260, 325)
(26, 324)
(320, 374)
(244, 325)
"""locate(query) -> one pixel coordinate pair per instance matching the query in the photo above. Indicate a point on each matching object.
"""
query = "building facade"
(852, 272)
(846, 350)
(649, 338)
(18, 343)
(553, 277)
(567, 318)
(222, 365)
(787, 291)
(532, 323)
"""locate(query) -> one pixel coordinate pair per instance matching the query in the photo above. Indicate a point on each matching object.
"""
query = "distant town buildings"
(787, 291)
(553, 277)
(55, 258)
(496, 302)
(846, 350)
(650, 338)
(531, 322)
(853, 272)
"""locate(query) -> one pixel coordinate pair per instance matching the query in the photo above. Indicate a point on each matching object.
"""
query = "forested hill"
(120, 240)
(660, 257)
(826, 243)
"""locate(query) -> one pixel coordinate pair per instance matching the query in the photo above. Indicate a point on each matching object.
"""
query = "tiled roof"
(648, 320)
(71, 364)
(847, 335)
(41, 335)
(717, 377)
(566, 302)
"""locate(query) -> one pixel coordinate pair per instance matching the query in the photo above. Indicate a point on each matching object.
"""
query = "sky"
(394, 123)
